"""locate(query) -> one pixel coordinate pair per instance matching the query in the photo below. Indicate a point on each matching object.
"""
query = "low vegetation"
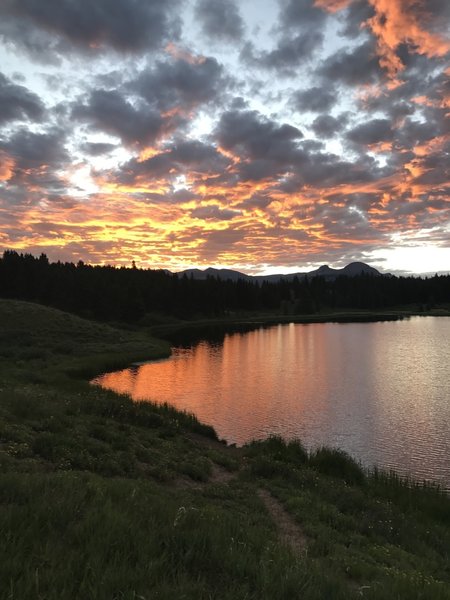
(105, 498)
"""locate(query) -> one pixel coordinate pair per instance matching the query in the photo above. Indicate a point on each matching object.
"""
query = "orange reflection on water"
(216, 381)
(378, 390)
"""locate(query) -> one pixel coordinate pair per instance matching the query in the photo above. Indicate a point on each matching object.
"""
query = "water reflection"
(381, 391)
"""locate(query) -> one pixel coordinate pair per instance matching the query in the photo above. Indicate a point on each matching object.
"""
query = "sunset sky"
(262, 135)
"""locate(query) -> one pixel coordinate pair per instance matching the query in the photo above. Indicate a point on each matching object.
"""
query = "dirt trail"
(290, 532)
(221, 475)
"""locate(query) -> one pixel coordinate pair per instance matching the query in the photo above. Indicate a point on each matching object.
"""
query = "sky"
(269, 136)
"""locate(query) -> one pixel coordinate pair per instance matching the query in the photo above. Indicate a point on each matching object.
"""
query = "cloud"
(97, 148)
(252, 136)
(352, 67)
(31, 151)
(220, 19)
(300, 31)
(291, 51)
(354, 14)
(17, 103)
(327, 126)
(214, 212)
(301, 14)
(398, 22)
(372, 132)
(182, 83)
(32, 171)
(6, 166)
(178, 157)
(315, 99)
(109, 111)
(125, 25)
(192, 175)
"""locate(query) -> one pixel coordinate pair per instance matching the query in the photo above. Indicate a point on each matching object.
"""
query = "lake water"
(380, 391)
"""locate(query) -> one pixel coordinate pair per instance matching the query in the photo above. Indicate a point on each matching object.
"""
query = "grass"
(105, 498)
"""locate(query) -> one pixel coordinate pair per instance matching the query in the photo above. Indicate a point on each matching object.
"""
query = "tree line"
(127, 294)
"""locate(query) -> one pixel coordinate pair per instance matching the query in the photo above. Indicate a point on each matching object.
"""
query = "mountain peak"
(359, 268)
(351, 270)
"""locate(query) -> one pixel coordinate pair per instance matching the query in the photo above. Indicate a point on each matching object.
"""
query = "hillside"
(105, 498)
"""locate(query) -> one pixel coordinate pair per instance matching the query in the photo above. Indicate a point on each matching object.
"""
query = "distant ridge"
(351, 270)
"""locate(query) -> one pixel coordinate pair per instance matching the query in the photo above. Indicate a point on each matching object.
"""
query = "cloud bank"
(206, 132)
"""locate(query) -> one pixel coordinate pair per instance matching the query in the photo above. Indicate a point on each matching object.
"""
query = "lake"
(380, 391)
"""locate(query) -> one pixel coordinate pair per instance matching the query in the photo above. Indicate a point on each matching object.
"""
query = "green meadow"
(105, 498)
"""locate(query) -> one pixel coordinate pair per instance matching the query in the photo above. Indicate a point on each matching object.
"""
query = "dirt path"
(221, 475)
(290, 532)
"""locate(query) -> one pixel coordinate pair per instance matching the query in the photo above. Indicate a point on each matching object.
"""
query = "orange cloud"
(6, 166)
(332, 5)
(433, 145)
(380, 147)
(147, 153)
(402, 21)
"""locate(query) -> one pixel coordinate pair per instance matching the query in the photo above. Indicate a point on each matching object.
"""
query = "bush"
(337, 463)
(269, 468)
(276, 448)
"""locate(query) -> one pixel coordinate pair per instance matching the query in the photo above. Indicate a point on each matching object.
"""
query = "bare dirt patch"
(220, 474)
(289, 530)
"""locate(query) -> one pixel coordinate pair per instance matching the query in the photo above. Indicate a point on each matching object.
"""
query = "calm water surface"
(381, 391)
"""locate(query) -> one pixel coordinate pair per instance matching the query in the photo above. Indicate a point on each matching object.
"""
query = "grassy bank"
(109, 499)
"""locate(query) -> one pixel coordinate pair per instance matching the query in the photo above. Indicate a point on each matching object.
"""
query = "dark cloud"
(35, 150)
(372, 132)
(258, 200)
(324, 170)
(414, 132)
(253, 136)
(126, 25)
(327, 126)
(267, 150)
(108, 111)
(36, 163)
(312, 145)
(301, 14)
(177, 158)
(198, 155)
(214, 213)
(22, 35)
(216, 242)
(356, 13)
(300, 30)
(260, 168)
(220, 19)
(438, 12)
(97, 148)
(17, 103)
(291, 52)
(315, 99)
(352, 67)
(436, 170)
(182, 84)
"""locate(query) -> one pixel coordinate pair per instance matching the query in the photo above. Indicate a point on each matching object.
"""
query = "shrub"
(276, 448)
(337, 463)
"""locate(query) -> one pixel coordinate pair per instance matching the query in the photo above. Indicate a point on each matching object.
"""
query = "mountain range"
(351, 270)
